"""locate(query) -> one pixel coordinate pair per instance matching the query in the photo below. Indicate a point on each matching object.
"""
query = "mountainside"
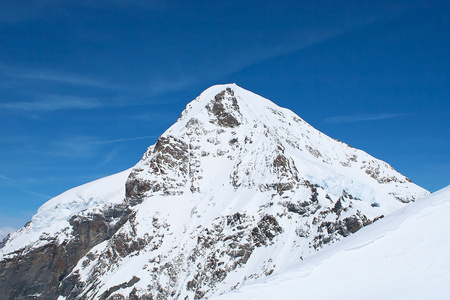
(404, 256)
(237, 189)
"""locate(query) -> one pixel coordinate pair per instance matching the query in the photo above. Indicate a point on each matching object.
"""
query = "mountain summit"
(238, 188)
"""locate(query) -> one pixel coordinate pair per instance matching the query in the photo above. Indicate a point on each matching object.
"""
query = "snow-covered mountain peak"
(230, 106)
(226, 106)
(259, 145)
(238, 188)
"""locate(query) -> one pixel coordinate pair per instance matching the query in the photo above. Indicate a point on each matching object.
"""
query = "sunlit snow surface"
(403, 256)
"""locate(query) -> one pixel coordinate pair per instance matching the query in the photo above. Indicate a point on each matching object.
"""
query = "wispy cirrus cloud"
(56, 76)
(53, 103)
(162, 83)
(6, 181)
(111, 155)
(3, 177)
(100, 142)
(85, 146)
(74, 146)
(362, 118)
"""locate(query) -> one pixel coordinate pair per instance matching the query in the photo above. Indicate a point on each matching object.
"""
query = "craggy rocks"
(376, 171)
(41, 271)
(169, 160)
(285, 169)
(314, 152)
(225, 109)
(226, 245)
(266, 230)
(111, 290)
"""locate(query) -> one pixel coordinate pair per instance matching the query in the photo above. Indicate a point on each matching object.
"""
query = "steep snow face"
(403, 256)
(238, 188)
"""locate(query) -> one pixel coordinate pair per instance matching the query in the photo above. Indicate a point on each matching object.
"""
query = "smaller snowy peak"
(104, 191)
(52, 218)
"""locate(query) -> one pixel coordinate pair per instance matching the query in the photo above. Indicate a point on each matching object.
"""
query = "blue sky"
(87, 86)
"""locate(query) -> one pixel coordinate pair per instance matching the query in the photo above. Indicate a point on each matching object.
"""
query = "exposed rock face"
(40, 271)
(224, 107)
(170, 164)
(234, 183)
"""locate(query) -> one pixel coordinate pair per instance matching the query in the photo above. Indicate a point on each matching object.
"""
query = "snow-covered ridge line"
(53, 215)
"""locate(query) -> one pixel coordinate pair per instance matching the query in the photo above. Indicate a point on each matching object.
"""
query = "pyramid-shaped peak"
(229, 106)
(232, 183)
(229, 121)
(233, 90)
(218, 88)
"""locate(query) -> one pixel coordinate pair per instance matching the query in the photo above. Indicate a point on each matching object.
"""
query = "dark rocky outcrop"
(42, 271)
(266, 230)
(225, 109)
(115, 288)
(169, 154)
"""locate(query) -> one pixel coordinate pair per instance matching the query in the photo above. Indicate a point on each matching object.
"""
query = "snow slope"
(52, 218)
(404, 256)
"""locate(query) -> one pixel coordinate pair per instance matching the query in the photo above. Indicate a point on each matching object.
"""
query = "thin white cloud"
(154, 116)
(4, 177)
(45, 196)
(361, 118)
(53, 103)
(65, 78)
(125, 139)
(6, 181)
(84, 146)
(55, 76)
(74, 146)
(111, 155)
